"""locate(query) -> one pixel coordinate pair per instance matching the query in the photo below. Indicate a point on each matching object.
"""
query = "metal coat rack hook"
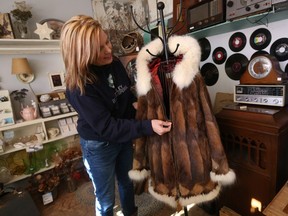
(164, 38)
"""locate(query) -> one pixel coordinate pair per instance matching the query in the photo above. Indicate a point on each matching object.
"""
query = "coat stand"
(185, 211)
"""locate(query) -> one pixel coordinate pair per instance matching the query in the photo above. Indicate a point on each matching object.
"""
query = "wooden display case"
(255, 142)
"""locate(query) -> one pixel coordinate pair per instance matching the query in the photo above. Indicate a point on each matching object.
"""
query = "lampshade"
(21, 66)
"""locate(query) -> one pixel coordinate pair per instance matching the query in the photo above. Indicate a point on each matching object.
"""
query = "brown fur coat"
(187, 165)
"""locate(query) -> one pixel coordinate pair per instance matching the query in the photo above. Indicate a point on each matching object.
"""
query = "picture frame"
(57, 81)
(6, 30)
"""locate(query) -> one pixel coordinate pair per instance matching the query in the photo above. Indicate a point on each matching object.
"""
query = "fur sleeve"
(140, 163)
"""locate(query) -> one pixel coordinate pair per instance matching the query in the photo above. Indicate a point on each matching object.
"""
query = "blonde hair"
(79, 42)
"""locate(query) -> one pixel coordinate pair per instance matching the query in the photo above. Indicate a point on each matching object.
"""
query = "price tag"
(47, 198)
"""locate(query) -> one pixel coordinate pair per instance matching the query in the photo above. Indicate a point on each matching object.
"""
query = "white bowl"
(45, 97)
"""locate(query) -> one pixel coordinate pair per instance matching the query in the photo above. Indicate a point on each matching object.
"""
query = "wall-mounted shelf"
(28, 46)
(37, 121)
(241, 23)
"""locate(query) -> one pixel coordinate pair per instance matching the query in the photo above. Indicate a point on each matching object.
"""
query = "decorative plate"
(54, 24)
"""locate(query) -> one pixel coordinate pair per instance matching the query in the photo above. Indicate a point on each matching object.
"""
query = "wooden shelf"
(37, 121)
(28, 46)
(16, 178)
(62, 136)
(241, 23)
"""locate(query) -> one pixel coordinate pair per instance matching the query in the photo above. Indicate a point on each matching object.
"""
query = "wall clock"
(263, 69)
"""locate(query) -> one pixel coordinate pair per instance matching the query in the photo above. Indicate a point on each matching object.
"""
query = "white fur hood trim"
(184, 71)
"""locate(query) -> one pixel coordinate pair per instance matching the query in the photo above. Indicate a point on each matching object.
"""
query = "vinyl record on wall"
(210, 73)
(205, 48)
(260, 39)
(260, 52)
(237, 41)
(236, 65)
(279, 49)
(219, 55)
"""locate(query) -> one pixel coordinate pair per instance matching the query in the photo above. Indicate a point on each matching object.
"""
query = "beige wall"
(42, 64)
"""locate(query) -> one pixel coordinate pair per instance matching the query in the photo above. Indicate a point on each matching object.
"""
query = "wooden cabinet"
(256, 145)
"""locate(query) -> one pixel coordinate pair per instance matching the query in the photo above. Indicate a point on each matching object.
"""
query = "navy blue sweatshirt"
(105, 109)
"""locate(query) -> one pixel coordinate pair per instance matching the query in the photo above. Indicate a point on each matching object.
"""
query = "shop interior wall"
(224, 83)
(42, 64)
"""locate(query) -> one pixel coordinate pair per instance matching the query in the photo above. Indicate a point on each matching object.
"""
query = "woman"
(98, 88)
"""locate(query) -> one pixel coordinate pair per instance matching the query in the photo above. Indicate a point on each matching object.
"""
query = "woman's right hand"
(161, 127)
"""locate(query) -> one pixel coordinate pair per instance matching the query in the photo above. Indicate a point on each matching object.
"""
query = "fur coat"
(188, 164)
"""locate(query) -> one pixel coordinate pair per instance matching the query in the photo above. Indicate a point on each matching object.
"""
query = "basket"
(131, 42)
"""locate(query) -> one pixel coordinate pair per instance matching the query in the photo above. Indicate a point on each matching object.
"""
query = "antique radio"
(236, 9)
(180, 14)
(204, 14)
(269, 95)
(280, 5)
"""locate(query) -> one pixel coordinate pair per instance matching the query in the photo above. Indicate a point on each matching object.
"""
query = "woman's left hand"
(161, 127)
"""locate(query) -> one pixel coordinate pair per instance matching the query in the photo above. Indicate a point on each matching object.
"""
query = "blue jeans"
(105, 161)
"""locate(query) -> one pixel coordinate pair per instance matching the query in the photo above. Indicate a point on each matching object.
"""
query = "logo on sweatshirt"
(119, 91)
(110, 81)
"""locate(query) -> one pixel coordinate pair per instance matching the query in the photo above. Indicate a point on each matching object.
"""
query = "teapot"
(28, 113)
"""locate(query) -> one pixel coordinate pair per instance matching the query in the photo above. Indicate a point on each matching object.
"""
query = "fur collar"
(184, 71)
